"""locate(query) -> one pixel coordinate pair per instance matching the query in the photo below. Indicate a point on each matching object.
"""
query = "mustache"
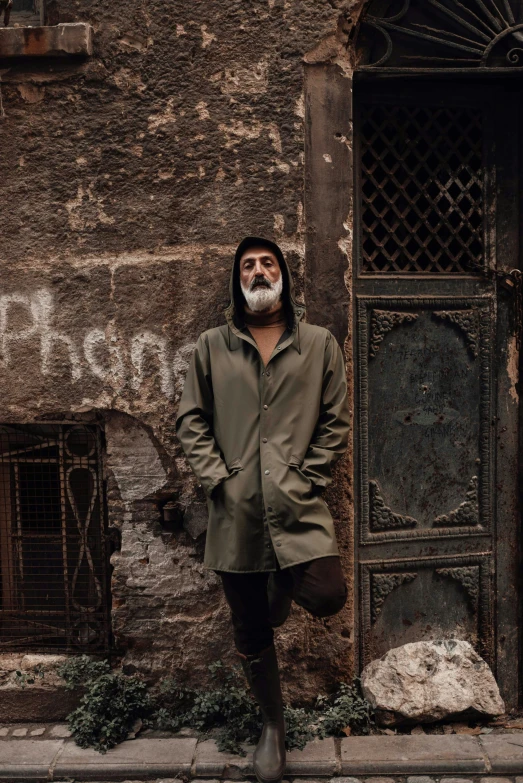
(260, 280)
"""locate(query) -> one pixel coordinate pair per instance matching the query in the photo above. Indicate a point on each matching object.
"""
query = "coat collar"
(237, 334)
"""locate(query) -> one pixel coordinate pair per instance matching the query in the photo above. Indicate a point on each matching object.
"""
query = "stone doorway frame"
(329, 218)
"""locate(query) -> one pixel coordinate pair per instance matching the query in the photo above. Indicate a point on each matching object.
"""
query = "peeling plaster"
(133, 458)
(207, 38)
(513, 367)
(299, 109)
(166, 117)
(30, 93)
(202, 111)
(238, 80)
(86, 210)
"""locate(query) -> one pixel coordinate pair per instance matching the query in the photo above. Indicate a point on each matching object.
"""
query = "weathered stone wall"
(127, 179)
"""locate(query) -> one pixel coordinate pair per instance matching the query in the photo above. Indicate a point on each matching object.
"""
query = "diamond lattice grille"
(422, 190)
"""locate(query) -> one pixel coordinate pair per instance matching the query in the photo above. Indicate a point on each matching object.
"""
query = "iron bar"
(424, 36)
(458, 19)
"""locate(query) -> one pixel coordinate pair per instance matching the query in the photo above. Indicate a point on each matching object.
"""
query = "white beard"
(262, 297)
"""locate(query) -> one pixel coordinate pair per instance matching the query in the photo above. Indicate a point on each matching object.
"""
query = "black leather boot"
(280, 587)
(264, 680)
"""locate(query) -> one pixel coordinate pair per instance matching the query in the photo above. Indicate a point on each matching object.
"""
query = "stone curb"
(407, 755)
(149, 758)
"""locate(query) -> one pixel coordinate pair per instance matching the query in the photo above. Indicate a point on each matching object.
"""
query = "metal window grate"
(27, 13)
(422, 190)
(53, 564)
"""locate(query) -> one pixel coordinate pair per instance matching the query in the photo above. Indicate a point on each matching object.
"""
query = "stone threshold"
(375, 756)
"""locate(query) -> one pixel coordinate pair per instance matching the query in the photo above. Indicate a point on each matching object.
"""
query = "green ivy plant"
(110, 705)
(113, 702)
(24, 678)
(347, 709)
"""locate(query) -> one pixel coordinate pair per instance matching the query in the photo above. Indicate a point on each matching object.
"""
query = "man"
(262, 418)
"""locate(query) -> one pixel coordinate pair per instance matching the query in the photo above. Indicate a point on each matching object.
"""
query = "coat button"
(278, 348)
(268, 374)
(267, 472)
(265, 407)
(264, 440)
(278, 543)
(269, 508)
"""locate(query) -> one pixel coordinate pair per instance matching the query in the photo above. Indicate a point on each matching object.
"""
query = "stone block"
(455, 780)
(59, 41)
(430, 681)
(45, 663)
(196, 519)
(60, 731)
(357, 780)
(210, 762)
(492, 779)
(317, 758)
(138, 758)
(504, 751)
(378, 780)
(28, 759)
(403, 754)
(34, 704)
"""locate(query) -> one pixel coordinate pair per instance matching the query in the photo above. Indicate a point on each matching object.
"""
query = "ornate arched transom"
(442, 34)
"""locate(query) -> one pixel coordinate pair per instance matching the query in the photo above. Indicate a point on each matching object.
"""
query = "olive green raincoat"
(262, 440)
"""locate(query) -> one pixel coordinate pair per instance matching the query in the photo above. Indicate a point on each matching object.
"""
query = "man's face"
(257, 263)
(260, 279)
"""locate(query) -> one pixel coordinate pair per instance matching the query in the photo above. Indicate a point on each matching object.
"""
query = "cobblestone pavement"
(395, 779)
(34, 731)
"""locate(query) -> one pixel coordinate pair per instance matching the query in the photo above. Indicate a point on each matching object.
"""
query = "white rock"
(430, 681)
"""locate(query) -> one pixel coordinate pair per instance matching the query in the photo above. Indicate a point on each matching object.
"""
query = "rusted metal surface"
(436, 520)
(53, 559)
(442, 33)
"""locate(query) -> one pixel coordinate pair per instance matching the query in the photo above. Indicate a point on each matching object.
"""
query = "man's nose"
(258, 269)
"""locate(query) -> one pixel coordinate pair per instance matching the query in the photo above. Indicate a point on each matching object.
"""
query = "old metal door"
(437, 213)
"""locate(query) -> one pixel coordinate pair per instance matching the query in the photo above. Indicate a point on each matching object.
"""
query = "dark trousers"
(318, 586)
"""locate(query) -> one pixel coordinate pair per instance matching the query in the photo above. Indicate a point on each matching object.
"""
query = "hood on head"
(237, 300)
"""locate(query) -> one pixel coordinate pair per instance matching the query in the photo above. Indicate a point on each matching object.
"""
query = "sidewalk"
(40, 757)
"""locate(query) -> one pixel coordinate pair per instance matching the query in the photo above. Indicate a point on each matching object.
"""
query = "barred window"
(422, 190)
(53, 559)
(27, 13)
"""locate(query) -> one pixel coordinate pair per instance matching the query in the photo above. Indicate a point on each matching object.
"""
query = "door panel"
(425, 416)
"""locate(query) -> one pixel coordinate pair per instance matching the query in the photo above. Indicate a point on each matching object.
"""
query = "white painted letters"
(112, 359)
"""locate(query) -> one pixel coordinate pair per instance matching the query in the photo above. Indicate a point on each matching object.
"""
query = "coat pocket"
(295, 463)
